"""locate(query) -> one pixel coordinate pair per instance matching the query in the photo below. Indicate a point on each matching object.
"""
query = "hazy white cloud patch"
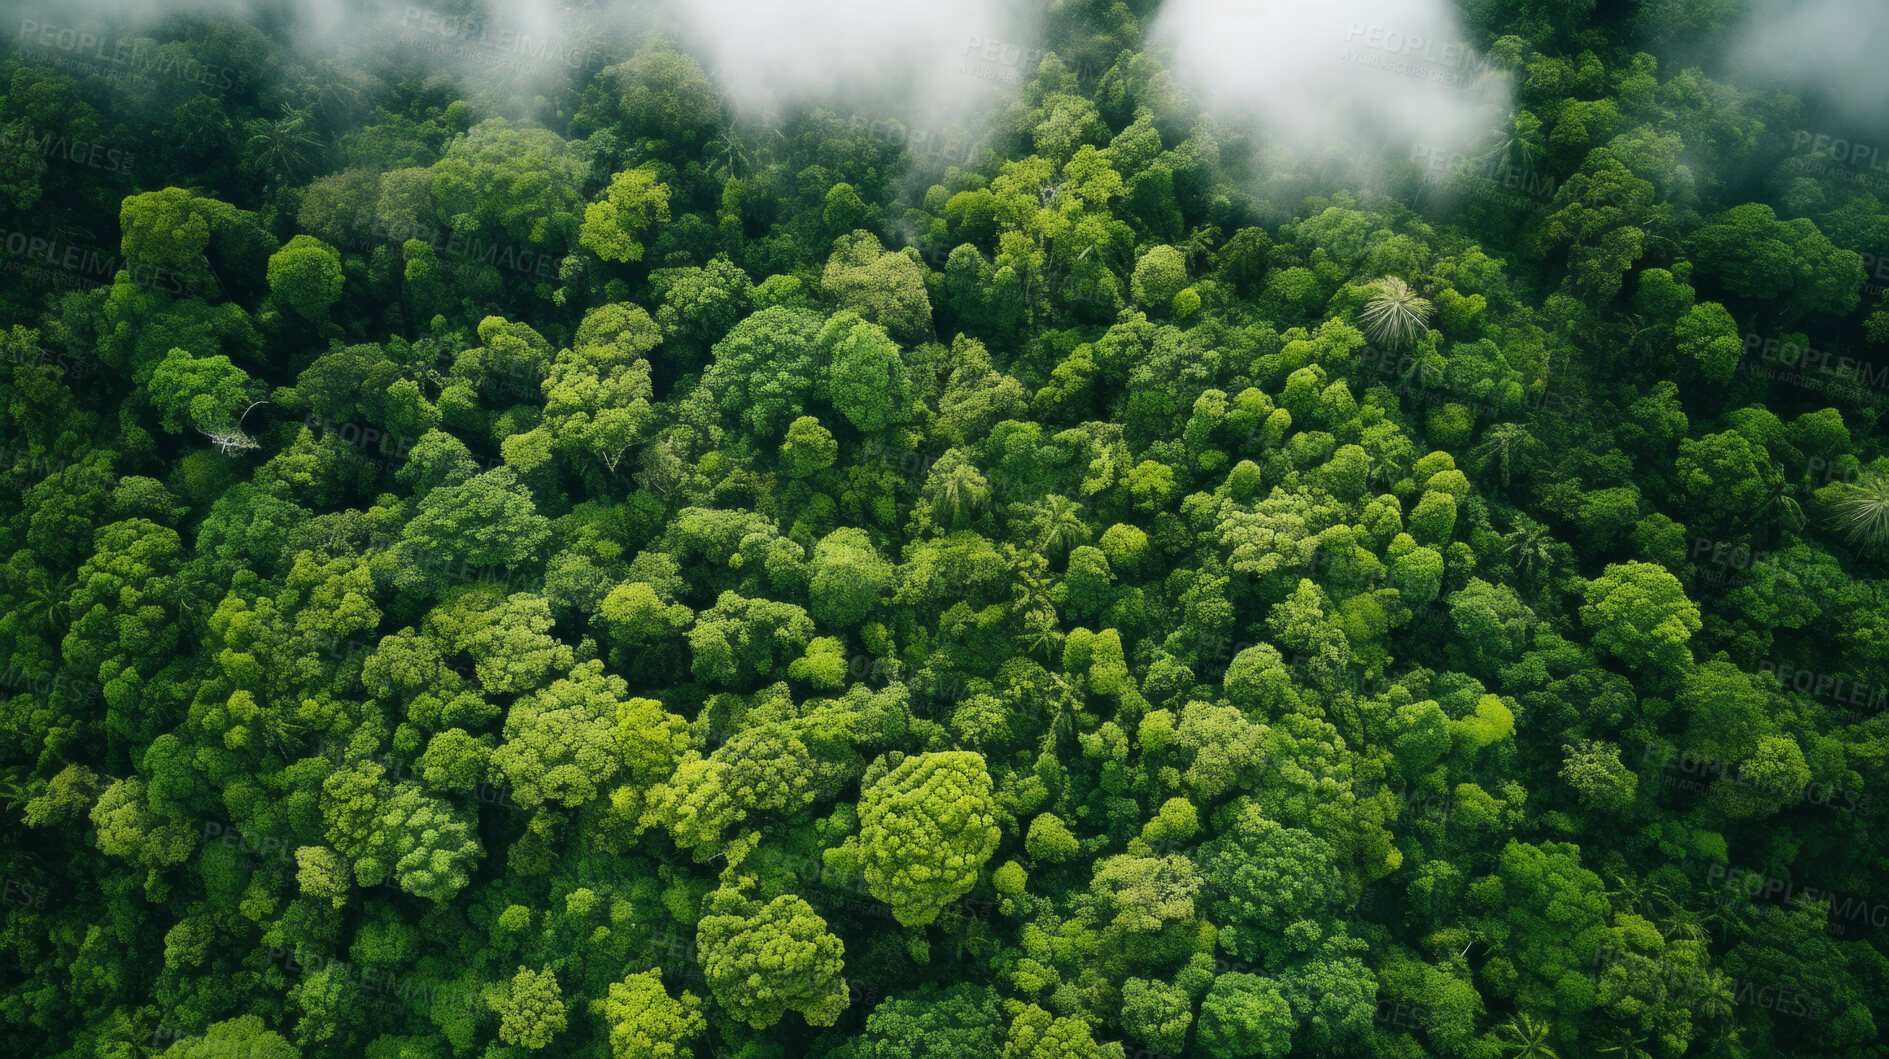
(1835, 49)
(1378, 75)
(943, 59)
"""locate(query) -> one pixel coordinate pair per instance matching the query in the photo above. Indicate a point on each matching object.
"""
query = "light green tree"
(646, 1023)
(613, 226)
(926, 829)
(763, 961)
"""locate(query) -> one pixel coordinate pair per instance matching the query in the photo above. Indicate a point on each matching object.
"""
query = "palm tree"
(1041, 634)
(1395, 314)
(1862, 508)
(1514, 144)
(1779, 501)
(1716, 999)
(1500, 446)
(1530, 547)
(47, 601)
(1627, 1046)
(727, 155)
(1060, 524)
(1525, 1038)
(280, 148)
(958, 491)
(1722, 907)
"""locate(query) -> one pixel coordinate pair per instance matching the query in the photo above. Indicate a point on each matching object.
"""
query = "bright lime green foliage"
(1709, 335)
(167, 228)
(866, 379)
(1492, 722)
(305, 275)
(1050, 840)
(243, 1035)
(633, 203)
(809, 448)
(884, 287)
(739, 641)
(560, 743)
(848, 578)
(926, 830)
(488, 521)
(1036, 1034)
(202, 393)
(635, 614)
(1245, 1016)
(531, 1012)
(520, 552)
(764, 960)
(1159, 276)
(433, 847)
(504, 182)
(1639, 612)
(646, 1023)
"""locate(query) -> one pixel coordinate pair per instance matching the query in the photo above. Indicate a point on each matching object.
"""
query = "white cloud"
(1369, 73)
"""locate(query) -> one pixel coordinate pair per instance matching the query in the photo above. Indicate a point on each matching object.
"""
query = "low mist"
(1368, 75)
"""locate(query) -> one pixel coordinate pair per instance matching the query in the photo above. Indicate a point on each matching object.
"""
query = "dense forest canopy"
(1061, 528)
